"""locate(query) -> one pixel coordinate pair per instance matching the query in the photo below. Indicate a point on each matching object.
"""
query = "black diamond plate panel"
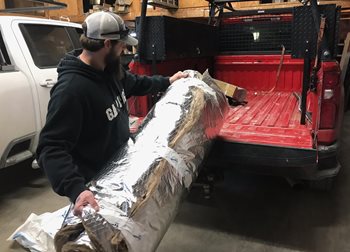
(336, 39)
(254, 37)
(172, 38)
(303, 29)
(153, 38)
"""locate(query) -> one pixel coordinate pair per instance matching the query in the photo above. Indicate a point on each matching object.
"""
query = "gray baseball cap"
(107, 25)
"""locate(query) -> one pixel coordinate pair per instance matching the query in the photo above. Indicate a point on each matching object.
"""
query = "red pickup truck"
(266, 134)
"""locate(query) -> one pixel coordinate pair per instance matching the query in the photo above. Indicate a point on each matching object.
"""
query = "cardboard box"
(123, 2)
(122, 9)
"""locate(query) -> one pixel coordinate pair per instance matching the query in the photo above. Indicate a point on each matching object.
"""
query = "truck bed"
(271, 115)
(271, 118)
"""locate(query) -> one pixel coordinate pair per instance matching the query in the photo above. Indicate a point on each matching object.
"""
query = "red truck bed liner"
(271, 118)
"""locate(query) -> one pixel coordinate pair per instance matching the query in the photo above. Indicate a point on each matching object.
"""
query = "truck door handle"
(49, 83)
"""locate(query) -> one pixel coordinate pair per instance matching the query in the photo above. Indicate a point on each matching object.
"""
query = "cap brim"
(130, 40)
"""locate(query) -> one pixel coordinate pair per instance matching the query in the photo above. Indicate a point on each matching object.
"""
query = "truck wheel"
(347, 91)
(347, 100)
(324, 185)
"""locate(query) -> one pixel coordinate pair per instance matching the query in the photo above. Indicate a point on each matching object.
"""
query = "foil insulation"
(140, 189)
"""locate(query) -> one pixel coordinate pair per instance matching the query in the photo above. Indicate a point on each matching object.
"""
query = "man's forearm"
(62, 172)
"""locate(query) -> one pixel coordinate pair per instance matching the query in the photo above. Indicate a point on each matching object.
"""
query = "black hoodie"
(87, 121)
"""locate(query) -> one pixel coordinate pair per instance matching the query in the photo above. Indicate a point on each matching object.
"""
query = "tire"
(347, 100)
(347, 90)
(323, 185)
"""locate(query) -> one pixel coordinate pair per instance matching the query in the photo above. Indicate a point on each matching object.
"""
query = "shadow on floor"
(20, 176)
(267, 209)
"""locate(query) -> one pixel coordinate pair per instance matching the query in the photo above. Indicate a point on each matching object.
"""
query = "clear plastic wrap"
(140, 189)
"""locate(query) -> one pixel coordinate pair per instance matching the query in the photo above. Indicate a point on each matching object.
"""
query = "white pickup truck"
(30, 49)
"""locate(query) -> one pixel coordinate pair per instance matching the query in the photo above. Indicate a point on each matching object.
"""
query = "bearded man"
(87, 119)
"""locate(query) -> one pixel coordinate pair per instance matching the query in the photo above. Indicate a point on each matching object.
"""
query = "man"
(87, 119)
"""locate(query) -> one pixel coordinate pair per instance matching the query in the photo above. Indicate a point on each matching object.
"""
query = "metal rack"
(169, 4)
(217, 7)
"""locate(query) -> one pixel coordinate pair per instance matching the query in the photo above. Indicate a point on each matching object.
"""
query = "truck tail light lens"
(328, 115)
(328, 94)
(330, 97)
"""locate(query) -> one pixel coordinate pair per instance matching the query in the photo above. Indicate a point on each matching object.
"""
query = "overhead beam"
(187, 9)
(46, 5)
(74, 10)
(2, 4)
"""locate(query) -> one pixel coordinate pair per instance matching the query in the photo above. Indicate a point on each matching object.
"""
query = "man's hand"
(177, 76)
(85, 198)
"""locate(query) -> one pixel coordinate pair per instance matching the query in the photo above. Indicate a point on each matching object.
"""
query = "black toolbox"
(167, 38)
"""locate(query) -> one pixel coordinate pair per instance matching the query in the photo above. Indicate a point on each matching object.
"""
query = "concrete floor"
(255, 213)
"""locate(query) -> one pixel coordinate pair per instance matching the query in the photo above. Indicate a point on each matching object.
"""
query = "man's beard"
(111, 58)
(113, 65)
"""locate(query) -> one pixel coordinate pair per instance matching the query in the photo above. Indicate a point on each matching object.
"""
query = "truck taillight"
(328, 115)
(330, 96)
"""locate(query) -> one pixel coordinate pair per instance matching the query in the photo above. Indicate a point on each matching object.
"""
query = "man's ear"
(108, 43)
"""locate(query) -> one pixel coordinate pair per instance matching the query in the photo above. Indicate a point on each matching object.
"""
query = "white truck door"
(17, 122)
(46, 43)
